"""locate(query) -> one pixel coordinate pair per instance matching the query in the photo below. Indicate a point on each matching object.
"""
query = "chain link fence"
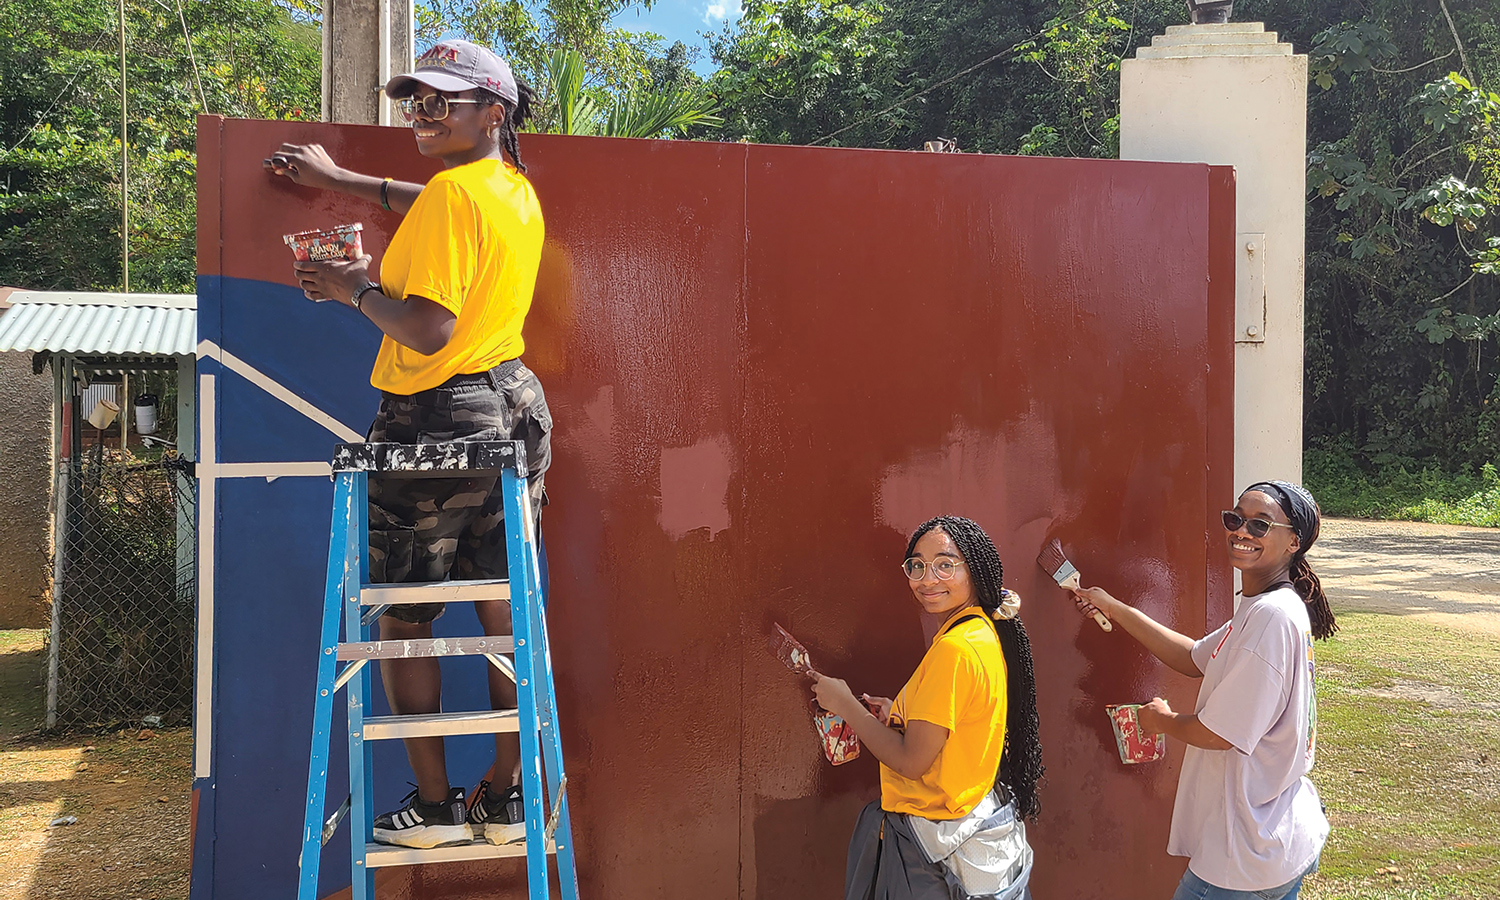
(125, 596)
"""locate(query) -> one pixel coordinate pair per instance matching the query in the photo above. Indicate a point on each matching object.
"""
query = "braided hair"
(1305, 582)
(1306, 517)
(516, 115)
(1021, 766)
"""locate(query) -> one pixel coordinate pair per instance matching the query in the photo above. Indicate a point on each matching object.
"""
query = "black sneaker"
(426, 825)
(503, 815)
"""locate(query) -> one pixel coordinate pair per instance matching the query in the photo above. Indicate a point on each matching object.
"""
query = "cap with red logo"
(457, 65)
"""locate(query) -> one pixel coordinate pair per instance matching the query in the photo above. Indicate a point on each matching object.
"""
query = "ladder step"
(432, 460)
(435, 592)
(460, 646)
(490, 721)
(382, 855)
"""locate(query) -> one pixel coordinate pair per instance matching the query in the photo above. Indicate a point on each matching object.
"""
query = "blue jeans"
(1194, 888)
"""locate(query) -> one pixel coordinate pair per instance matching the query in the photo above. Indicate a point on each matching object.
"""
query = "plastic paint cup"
(840, 743)
(1134, 745)
(338, 242)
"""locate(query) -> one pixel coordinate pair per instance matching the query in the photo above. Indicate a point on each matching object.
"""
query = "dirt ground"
(1445, 574)
(129, 789)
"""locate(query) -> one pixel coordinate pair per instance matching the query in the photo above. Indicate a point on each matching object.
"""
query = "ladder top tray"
(432, 460)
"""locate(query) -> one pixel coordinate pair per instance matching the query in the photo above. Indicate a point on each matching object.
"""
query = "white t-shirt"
(1247, 818)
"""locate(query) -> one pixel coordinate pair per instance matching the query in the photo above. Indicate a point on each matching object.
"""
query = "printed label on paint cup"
(1135, 746)
(840, 743)
(338, 242)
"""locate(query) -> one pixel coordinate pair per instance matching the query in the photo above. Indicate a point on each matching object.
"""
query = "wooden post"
(62, 380)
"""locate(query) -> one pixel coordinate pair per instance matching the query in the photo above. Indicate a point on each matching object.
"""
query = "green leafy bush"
(1426, 494)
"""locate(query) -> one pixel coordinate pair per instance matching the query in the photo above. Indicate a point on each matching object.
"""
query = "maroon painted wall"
(767, 365)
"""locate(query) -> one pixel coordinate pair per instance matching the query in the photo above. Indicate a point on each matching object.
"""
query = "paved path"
(1444, 573)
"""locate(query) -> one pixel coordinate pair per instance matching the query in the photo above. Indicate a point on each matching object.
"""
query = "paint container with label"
(1135, 746)
(840, 743)
(338, 242)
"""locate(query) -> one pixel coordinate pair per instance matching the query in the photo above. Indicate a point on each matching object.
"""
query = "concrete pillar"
(1232, 94)
(365, 42)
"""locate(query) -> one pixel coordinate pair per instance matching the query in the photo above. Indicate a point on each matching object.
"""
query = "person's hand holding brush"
(1096, 601)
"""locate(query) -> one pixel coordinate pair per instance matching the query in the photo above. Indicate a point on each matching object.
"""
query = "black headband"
(1300, 508)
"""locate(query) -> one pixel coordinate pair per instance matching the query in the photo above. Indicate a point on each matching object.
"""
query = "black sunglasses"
(1259, 528)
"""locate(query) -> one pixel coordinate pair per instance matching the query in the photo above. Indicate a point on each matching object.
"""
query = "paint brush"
(791, 653)
(1055, 563)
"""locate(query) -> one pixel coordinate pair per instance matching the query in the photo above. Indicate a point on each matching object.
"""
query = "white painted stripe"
(267, 470)
(208, 450)
(275, 389)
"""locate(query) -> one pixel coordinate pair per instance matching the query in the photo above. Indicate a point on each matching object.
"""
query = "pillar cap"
(1232, 39)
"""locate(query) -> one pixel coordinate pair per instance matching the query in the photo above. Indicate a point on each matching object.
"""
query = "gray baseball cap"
(457, 65)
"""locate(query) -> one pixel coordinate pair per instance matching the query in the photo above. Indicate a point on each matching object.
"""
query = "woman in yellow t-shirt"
(959, 750)
(455, 286)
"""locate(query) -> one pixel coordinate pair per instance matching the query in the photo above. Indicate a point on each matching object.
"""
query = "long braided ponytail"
(1319, 613)
(1021, 766)
(1306, 517)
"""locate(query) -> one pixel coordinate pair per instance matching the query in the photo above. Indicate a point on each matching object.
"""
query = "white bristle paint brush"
(1055, 563)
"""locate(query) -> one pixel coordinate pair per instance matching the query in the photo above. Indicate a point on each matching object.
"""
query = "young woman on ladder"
(455, 285)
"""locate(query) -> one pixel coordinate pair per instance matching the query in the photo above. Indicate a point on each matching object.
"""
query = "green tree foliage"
(60, 192)
(1402, 185)
(794, 71)
(1403, 244)
(526, 32)
(667, 105)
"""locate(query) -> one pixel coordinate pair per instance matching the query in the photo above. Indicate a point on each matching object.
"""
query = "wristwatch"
(361, 291)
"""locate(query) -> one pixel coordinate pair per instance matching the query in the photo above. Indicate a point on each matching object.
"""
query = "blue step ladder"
(352, 599)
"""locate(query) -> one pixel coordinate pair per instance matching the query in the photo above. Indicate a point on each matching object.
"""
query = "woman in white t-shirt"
(1246, 816)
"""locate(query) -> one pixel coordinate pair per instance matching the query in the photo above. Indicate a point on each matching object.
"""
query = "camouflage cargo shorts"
(432, 529)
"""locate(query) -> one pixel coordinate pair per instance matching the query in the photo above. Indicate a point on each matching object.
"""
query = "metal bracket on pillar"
(1250, 290)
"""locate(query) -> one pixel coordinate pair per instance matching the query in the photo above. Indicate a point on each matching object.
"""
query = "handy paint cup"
(840, 743)
(338, 242)
(1134, 745)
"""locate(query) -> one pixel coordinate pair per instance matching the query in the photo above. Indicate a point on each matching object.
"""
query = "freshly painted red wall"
(767, 365)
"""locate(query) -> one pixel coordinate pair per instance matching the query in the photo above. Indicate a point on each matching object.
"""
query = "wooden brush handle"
(1072, 583)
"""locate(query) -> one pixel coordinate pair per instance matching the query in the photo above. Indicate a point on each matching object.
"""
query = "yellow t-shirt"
(960, 685)
(471, 243)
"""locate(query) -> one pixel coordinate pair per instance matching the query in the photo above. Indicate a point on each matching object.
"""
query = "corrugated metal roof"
(104, 298)
(82, 324)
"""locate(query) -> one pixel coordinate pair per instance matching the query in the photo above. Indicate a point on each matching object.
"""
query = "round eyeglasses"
(944, 569)
(1257, 527)
(433, 106)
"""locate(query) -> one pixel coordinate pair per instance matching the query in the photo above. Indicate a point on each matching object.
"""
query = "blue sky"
(683, 20)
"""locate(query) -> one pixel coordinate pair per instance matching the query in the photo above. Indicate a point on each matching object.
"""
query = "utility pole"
(124, 164)
(365, 43)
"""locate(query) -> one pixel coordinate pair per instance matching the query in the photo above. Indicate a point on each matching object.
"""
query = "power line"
(957, 75)
(188, 40)
(57, 98)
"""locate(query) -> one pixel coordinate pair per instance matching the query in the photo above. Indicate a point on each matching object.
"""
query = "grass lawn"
(1408, 761)
(1408, 764)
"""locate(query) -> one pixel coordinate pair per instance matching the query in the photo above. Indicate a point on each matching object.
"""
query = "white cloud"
(721, 11)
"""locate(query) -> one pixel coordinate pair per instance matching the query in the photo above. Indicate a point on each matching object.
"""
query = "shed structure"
(123, 588)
